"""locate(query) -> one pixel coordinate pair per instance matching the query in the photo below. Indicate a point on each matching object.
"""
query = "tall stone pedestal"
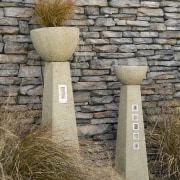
(131, 158)
(58, 104)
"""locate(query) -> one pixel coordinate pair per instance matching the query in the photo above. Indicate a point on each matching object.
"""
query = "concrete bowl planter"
(55, 44)
(130, 75)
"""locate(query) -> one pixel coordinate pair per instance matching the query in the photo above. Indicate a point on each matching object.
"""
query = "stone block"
(172, 15)
(28, 100)
(170, 34)
(149, 34)
(89, 85)
(142, 40)
(82, 22)
(104, 121)
(92, 108)
(145, 52)
(150, 4)
(90, 130)
(97, 41)
(104, 22)
(92, 3)
(93, 11)
(31, 81)
(98, 78)
(106, 48)
(18, 12)
(165, 41)
(158, 27)
(108, 10)
(30, 71)
(121, 40)
(17, 38)
(138, 23)
(127, 48)
(150, 11)
(124, 3)
(8, 21)
(10, 80)
(23, 27)
(101, 137)
(101, 100)
(131, 34)
(91, 72)
(104, 114)
(4, 58)
(116, 55)
(111, 34)
(7, 73)
(90, 34)
(81, 97)
(82, 115)
(8, 30)
(16, 48)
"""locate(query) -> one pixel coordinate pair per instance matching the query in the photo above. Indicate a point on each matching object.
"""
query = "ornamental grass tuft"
(52, 13)
(164, 138)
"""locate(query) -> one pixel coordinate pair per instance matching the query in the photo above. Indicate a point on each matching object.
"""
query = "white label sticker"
(134, 107)
(136, 145)
(136, 136)
(135, 117)
(135, 126)
(62, 93)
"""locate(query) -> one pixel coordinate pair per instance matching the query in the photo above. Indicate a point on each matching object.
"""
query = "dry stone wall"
(112, 32)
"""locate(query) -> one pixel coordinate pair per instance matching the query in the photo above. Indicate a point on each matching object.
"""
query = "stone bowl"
(130, 75)
(55, 43)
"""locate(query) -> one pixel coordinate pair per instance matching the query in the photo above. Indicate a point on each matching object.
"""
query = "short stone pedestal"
(131, 158)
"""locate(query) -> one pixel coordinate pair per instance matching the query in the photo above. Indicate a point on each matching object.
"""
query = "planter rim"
(51, 28)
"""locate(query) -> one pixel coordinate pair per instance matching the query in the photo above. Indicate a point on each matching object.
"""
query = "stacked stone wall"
(112, 32)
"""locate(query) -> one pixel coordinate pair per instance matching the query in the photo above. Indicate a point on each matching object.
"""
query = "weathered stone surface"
(91, 11)
(104, 22)
(17, 38)
(121, 40)
(150, 4)
(31, 90)
(9, 80)
(98, 78)
(12, 58)
(127, 48)
(165, 41)
(138, 23)
(105, 48)
(91, 3)
(124, 3)
(172, 15)
(8, 30)
(29, 71)
(81, 115)
(92, 108)
(8, 21)
(89, 72)
(8, 73)
(142, 40)
(90, 130)
(111, 34)
(152, 46)
(97, 41)
(101, 100)
(131, 34)
(31, 81)
(18, 12)
(103, 121)
(149, 34)
(101, 137)
(16, 48)
(90, 34)
(23, 27)
(158, 27)
(80, 97)
(87, 22)
(28, 100)
(108, 10)
(150, 11)
(116, 55)
(104, 114)
(169, 34)
(89, 85)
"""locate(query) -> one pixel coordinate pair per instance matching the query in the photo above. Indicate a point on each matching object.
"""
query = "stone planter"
(131, 158)
(55, 44)
(131, 75)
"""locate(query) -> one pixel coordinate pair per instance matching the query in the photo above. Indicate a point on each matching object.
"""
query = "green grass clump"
(53, 12)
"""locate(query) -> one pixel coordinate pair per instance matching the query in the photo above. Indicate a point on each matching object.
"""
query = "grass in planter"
(165, 138)
(53, 12)
(33, 155)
